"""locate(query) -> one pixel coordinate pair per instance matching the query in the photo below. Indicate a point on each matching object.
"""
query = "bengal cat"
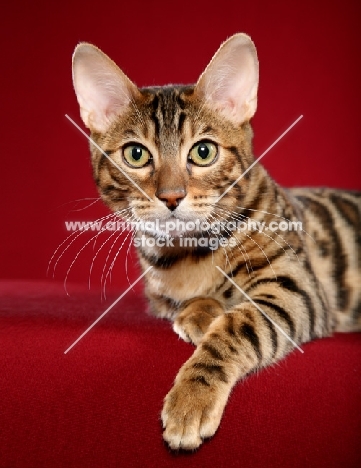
(169, 154)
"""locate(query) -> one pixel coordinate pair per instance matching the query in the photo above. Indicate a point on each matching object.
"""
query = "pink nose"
(171, 198)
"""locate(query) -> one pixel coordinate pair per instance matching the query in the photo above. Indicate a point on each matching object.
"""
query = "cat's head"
(170, 152)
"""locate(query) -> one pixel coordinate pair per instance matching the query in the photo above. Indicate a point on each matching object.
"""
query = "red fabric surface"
(99, 405)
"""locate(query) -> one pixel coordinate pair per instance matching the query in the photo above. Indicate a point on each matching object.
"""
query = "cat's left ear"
(230, 81)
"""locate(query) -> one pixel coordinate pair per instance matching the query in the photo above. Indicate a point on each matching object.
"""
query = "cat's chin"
(173, 234)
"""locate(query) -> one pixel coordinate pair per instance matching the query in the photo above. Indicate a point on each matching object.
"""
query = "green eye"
(136, 155)
(203, 153)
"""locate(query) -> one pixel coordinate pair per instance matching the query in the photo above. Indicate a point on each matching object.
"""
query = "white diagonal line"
(107, 156)
(257, 160)
(259, 308)
(108, 309)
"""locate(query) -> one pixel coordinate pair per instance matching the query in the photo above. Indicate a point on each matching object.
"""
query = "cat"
(172, 154)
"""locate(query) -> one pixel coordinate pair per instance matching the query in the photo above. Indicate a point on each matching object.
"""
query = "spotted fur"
(306, 281)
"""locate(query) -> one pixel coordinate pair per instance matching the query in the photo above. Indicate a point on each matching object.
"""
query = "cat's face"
(170, 151)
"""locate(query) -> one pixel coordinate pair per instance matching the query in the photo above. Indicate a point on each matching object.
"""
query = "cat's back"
(332, 224)
(336, 211)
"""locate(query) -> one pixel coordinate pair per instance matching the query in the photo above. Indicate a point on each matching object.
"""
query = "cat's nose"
(171, 198)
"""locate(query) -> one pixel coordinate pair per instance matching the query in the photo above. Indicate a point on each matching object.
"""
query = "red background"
(309, 64)
(99, 405)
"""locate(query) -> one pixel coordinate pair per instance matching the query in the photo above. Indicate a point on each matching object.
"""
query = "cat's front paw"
(194, 320)
(192, 410)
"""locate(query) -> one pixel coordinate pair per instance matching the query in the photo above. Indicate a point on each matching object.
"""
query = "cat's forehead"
(168, 111)
(169, 93)
(168, 102)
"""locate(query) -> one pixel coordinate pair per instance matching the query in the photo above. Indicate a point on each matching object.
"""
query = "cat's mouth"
(176, 227)
(172, 228)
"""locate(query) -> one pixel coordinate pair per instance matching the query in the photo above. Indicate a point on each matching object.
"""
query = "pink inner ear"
(101, 87)
(230, 81)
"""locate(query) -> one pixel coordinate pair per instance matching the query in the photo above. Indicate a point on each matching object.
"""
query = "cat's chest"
(186, 279)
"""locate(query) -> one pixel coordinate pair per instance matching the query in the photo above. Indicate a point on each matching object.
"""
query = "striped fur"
(308, 282)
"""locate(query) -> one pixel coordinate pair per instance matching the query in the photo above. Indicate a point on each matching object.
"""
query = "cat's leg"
(236, 344)
(195, 317)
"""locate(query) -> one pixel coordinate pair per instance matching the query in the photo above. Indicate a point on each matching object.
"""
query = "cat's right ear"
(102, 89)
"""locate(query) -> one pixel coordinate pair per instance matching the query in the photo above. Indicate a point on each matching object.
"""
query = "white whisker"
(236, 216)
(76, 234)
(105, 276)
(276, 216)
(243, 251)
(261, 249)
